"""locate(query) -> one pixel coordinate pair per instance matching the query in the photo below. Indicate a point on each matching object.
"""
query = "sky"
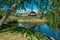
(35, 8)
(5, 7)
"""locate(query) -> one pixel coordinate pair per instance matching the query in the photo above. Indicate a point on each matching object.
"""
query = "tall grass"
(9, 32)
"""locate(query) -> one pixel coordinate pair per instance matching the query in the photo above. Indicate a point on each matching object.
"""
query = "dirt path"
(33, 20)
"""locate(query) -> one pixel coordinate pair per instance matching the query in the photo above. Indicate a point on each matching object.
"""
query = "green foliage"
(11, 18)
(52, 18)
(1, 14)
(53, 14)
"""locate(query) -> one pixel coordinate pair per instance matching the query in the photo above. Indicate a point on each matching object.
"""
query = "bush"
(0, 16)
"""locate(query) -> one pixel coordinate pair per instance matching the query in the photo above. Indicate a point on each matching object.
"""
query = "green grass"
(31, 23)
(24, 17)
(9, 32)
(28, 17)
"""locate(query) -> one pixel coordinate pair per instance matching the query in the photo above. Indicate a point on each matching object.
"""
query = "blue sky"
(5, 7)
(35, 8)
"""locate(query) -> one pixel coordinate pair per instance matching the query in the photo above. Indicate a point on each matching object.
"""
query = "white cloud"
(35, 10)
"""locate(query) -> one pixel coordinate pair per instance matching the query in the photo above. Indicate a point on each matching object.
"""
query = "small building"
(29, 13)
(32, 13)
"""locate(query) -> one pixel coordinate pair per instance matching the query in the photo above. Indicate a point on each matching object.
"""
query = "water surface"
(45, 29)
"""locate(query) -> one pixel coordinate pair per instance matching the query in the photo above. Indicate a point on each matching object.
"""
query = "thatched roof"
(29, 13)
(32, 13)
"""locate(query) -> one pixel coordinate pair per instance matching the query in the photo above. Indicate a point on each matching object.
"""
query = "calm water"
(46, 30)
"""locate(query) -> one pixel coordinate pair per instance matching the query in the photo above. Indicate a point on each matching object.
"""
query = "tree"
(53, 14)
(14, 4)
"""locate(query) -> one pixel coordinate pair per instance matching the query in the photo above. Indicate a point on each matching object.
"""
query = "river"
(45, 29)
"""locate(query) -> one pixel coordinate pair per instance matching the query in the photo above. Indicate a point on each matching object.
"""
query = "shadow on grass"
(13, 28)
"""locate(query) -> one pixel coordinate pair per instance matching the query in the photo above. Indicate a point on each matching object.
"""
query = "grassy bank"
(9, 32)
(11, 18)
(24, 18)
(31, 23)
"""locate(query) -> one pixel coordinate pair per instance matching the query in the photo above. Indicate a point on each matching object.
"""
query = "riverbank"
(9, 32)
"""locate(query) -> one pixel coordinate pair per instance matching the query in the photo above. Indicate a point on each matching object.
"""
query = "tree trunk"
(7, 14)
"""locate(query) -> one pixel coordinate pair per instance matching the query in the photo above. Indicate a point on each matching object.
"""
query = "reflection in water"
(44, 29)
(36, 28)
(20, 25)
(58, 34)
